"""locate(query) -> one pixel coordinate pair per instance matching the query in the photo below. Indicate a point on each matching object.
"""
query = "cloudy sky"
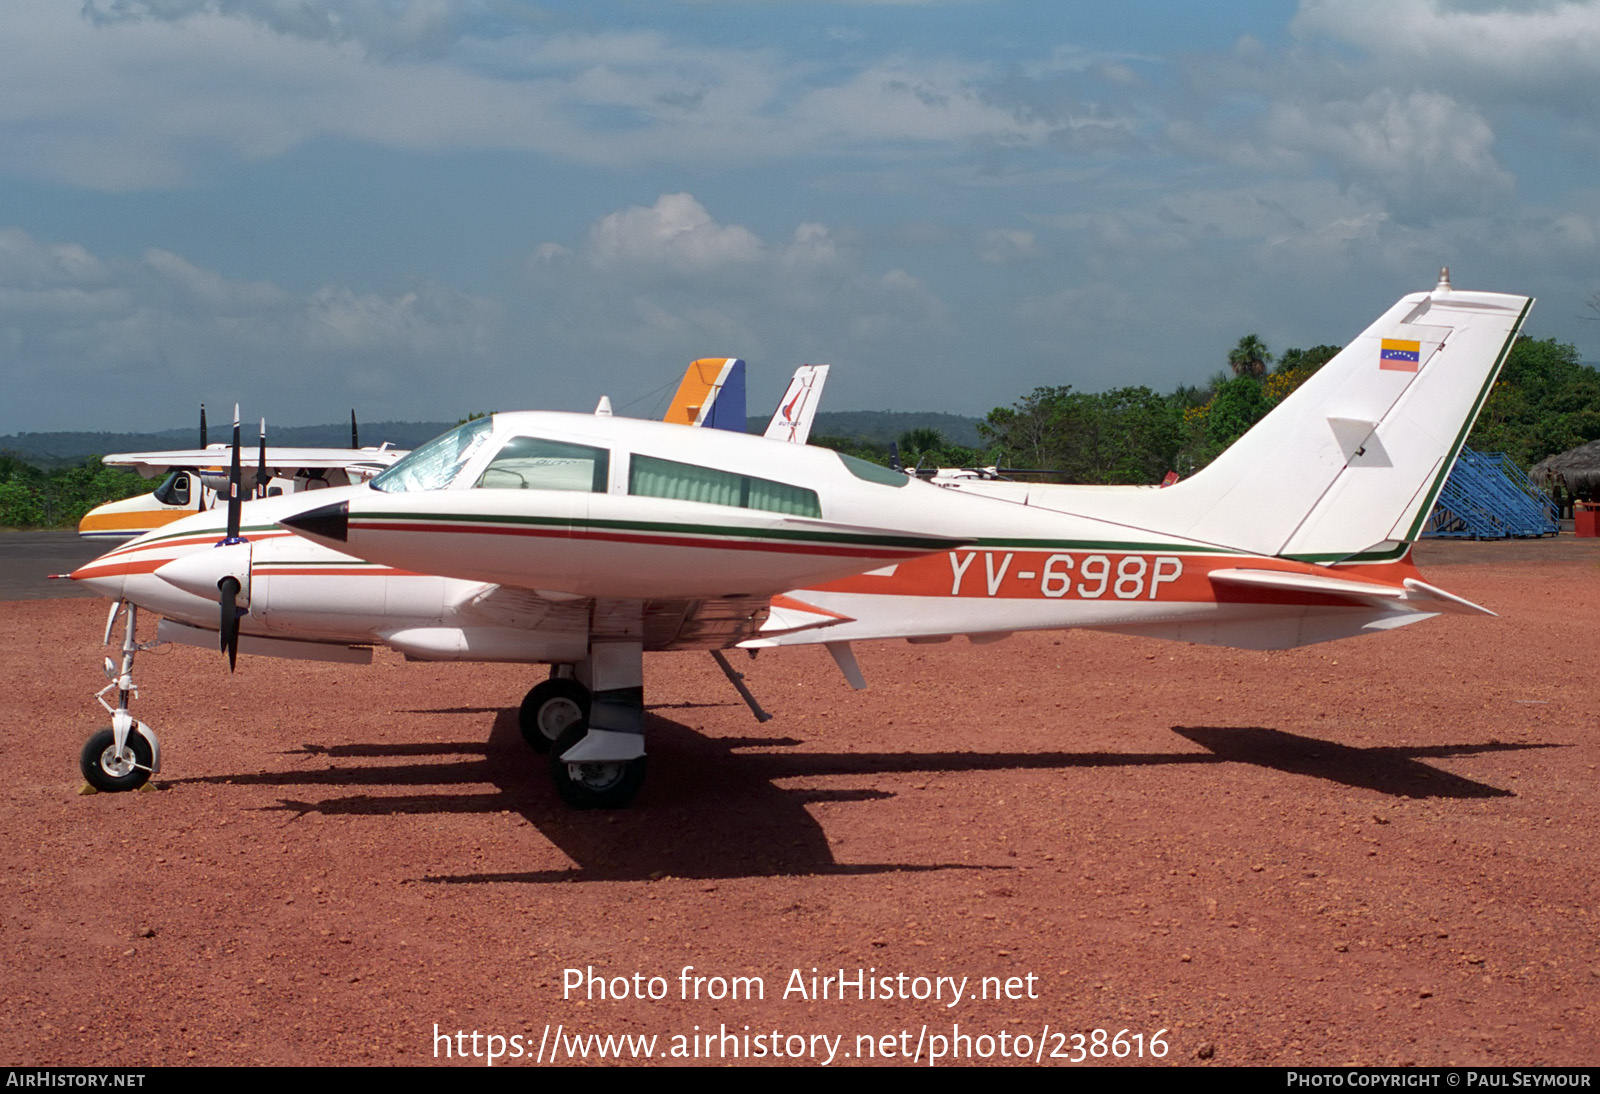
(426, 207)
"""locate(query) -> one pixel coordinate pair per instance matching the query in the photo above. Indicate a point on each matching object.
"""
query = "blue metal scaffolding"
(1488, 497)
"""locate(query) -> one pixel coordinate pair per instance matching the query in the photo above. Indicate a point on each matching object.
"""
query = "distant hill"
(51, 450)
(879, 427)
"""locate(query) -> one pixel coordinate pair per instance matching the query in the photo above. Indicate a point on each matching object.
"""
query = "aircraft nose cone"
(324, 522)
(103, 579)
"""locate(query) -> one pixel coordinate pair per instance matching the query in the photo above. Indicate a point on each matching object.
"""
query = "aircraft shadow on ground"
(711, 810)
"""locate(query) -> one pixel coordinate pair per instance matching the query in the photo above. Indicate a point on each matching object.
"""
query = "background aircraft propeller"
(263, 476)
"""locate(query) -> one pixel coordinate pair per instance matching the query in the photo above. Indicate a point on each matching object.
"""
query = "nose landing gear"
(123, 755)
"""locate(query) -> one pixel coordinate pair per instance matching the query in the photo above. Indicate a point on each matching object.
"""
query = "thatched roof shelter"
(1578, 468)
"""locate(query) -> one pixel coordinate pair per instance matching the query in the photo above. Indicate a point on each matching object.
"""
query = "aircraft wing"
(280, 459)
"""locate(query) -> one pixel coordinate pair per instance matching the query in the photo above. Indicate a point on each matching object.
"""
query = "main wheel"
(593, 785)
(552, 708)
(108, 771)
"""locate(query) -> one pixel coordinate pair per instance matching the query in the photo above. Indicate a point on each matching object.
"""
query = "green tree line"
(31, 498)
(1545, 401)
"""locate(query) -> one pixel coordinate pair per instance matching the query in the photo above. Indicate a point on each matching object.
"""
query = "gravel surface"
(1368, 852)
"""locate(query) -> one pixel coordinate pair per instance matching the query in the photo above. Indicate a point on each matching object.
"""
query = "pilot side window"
(175, 491)
(529, 463)
(652, 478)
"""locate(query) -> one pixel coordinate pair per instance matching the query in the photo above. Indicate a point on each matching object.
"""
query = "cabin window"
(436, 464)
(652, 478)
(530, 463)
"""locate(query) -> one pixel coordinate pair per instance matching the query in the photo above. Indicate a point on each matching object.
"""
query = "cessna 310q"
(584, 541)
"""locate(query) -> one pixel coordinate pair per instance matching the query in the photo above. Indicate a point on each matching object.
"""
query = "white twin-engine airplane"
(584, 541)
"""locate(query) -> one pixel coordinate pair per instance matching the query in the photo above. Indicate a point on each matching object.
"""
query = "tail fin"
(798, 407)
(1350, 464)
(711, 394)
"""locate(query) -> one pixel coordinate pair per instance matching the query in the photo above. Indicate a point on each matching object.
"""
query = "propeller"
(894, 457)
(202, 425)
(229, 586)
(262, 475)
(354, 442)
(234, 476)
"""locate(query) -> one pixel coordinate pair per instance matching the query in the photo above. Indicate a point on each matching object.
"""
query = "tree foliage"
(1128, 435)
(1546, 401)
(1250, 357)
(31, 498)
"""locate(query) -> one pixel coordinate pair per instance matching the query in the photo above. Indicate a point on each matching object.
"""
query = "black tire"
(550, 709)
(105, 772)
(594, 786)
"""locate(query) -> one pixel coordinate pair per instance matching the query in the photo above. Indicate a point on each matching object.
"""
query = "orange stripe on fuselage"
(134, 523)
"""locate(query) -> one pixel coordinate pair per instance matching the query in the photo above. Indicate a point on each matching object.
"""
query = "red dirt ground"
(1369, 852)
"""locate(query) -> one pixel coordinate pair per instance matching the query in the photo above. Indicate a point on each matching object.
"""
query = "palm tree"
(1250, 357)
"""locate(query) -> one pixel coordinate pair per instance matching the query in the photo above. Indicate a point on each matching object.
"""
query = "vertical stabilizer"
(711, 394)
(1349, 465)
(798, 407)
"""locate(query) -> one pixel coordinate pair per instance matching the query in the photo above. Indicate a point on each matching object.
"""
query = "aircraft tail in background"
(798, 407)
(712, 394)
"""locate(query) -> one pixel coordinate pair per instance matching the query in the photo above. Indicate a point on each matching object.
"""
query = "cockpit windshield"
(436, 464)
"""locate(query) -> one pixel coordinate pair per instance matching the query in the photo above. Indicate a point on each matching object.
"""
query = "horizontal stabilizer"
(788, 615)
(1360, 592)
(1435, 599)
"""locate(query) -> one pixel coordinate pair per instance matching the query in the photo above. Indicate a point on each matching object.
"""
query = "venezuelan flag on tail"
(711, 394)
(1400, 355)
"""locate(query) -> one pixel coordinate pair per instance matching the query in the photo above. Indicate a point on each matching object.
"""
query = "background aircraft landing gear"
(552, 708)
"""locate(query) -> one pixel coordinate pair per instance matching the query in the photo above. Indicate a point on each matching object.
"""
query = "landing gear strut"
(125, 754)
(597, 761)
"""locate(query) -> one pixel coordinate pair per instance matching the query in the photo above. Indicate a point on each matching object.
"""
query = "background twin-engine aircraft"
(584, 541)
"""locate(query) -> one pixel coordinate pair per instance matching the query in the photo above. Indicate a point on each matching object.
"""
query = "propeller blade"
(894, 457)
(234, 475)
(228, 587)
(202, 425)
(262, 477)
(354, 442)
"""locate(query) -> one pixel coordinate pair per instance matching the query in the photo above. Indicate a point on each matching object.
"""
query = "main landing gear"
(123, 755)
(592, 725)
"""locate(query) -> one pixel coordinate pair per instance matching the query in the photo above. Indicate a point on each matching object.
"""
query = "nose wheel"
(111, 770)
(123, 755)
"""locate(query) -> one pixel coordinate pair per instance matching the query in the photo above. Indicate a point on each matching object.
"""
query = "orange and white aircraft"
(584, 541)
(194, 477)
